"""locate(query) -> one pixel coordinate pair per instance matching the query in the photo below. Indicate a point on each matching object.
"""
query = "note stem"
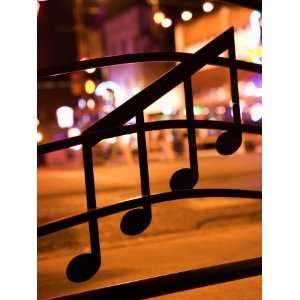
(143, 160)
(191, 129)
(91, 201)
(234, 82)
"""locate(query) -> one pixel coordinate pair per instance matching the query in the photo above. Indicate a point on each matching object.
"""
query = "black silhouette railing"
(139, 211)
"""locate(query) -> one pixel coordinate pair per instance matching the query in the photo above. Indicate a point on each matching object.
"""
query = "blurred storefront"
(94, 93)
(211, 85)
(139, 37)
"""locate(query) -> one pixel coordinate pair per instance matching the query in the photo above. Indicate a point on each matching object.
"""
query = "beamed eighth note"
(135, 221)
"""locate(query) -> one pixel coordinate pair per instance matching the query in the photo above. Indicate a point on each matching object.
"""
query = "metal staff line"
(174, 282)
(149, 126)
(140, 58)
(137, 202)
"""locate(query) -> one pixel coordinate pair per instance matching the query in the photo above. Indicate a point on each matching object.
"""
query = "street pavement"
(183, 235)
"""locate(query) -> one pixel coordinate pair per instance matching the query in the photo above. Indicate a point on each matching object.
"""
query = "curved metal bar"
(175, 282)
(140, 58)
(127, 129)
(138, 202)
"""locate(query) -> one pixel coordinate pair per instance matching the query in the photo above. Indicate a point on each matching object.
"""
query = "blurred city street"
(191, 71)
(184, 234)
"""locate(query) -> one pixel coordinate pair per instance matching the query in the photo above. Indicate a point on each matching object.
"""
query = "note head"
(82, 267)
(183, 179)
(228, 142)
(135, 221)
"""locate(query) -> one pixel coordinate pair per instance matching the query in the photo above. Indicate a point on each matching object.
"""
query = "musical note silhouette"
(84, 266)
(137, 220)
(227, 143)
(187, 178)
(230, 141)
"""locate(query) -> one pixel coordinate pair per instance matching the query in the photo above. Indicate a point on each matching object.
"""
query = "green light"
(198, 110)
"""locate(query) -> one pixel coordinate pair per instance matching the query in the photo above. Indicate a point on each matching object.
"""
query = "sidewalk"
(183, 235)
(165, 254)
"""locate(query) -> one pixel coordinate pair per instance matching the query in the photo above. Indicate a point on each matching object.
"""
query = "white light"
(254, 39)
(166, 22)
(255, 16)
(186, 15)
(258, 92)
(74, 132)
(249, 89)
(91, 104)
(256, 112)
(135, 90)
(111, 140)
(81, 103)
(65, 117)
(101, 90)
(38, 122)
(158, 17)
(167, 110)
(207, 7)
(39, 137)
(91, 70)
(126, 138)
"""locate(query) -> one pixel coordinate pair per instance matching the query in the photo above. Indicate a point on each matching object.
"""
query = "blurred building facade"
(211, 85)
(98, 34)
(132, 31)
(94, 93)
